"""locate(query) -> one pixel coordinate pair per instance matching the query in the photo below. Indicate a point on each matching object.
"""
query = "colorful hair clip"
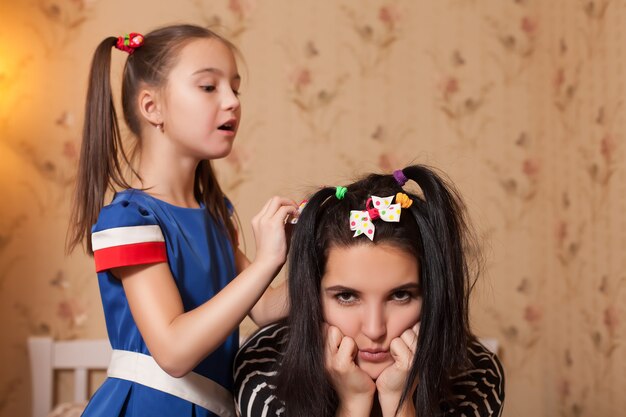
(340, 192)
(294, 219)
(401, 179)
(129, 42)
(361, 220)
(404, 200)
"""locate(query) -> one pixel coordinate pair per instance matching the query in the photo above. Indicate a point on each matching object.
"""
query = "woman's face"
(372, 294)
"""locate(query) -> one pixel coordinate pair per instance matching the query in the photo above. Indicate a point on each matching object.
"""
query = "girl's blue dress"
(201, 259)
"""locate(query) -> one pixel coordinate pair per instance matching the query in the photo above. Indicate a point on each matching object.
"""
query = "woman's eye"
(208, 88)
(345, 298)
(402, 296)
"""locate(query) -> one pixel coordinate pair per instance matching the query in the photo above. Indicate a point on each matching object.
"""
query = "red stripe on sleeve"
(126, 255)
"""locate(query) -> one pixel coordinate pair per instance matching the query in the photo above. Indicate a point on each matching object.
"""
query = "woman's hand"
(392, 380)
(353, 386)
(269, 231)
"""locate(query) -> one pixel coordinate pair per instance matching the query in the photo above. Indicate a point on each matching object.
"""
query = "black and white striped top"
(479, 391)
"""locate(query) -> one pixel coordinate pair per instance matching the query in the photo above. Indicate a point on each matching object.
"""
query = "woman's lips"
(374, 355)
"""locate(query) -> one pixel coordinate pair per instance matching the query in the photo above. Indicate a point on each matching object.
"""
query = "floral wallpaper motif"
(313, 100)
(520, 183)
(63, 20)
(520, 102)
(460, 102)
(232, 24)
(377, 29)
(515, 32)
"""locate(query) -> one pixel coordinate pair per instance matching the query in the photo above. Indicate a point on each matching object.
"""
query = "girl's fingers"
(283, 212)
(276, 203)
(272, 205)
(277, 208)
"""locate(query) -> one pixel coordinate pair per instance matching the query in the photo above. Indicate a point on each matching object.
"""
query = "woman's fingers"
(333, 338)
(401, 353)
(345, 353)
(409, 337)
(350, 381)
(340, 350)
(392, 380)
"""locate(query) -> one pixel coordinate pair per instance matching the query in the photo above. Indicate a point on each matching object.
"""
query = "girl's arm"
(273, 304)
(179, 340)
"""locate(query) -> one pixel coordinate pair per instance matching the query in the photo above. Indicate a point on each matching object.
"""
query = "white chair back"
(47, 355)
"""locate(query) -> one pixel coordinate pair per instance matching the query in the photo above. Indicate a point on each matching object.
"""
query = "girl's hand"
(354, 387)
(392, 380)
(269, 231)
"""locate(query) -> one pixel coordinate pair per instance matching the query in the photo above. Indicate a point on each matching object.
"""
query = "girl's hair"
(434, 230)
(102, 157)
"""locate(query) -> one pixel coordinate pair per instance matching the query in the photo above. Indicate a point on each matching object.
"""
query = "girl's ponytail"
(99, 165)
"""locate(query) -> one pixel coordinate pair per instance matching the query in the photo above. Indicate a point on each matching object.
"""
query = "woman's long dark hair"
(435, 232)
(102, 157)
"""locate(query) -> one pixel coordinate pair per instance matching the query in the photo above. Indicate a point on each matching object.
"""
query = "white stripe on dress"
(119, 236)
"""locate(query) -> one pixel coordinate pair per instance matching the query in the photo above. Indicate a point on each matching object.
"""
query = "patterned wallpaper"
(521, 102)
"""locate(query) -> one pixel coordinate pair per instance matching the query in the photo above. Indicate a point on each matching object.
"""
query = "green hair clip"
(340, 192)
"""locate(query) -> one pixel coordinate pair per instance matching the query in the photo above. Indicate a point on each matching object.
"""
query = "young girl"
(381, 280)
(165, 248)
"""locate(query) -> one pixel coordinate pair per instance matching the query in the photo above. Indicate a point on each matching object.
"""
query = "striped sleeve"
(255, 366)
(478, 391)
(127, 234)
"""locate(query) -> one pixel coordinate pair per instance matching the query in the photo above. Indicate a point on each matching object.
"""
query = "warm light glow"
(3, 76)
(9, 81)
(3, 82)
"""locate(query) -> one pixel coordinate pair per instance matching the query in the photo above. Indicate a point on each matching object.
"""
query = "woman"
(379, 311)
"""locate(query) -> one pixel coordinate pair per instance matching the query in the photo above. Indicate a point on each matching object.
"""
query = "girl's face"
(201, 111)
(372, 294)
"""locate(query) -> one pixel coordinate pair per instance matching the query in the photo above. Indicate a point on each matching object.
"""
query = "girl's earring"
(160, 127)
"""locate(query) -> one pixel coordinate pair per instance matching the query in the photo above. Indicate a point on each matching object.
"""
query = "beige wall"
(520, 102)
